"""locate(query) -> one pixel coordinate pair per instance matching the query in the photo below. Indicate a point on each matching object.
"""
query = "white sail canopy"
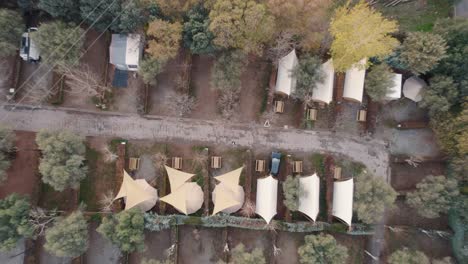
(343, 200)
(354, 82)
(323, 91)
(309, 202)
(285, 81)
(137, 193)
(177, 178)
(395, 92)
(228, 195)
(413, 88)
(267, 193)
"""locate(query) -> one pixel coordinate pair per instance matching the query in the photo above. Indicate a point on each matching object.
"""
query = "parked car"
(275, 163)
(28, 49)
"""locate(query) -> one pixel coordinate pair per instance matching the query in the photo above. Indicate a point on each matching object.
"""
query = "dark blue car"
(275, 163)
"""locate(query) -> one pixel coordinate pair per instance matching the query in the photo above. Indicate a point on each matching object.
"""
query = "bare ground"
(156, 243)
(206, 95)
(200, 245)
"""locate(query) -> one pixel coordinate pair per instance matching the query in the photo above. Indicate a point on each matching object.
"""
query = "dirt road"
(371, 152)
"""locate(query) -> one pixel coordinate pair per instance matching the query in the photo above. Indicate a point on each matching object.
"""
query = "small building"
(395, 92)
(342, 207)
(309, 202)
(354, 82)
(285, 81)
(323, 92)
(267, 195)
(125, 51)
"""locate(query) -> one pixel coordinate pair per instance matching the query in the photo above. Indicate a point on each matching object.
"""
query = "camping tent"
(267, 191)
(125, 51)
(343, 200)
(354, 82)
(228, 195)
(309, 202)
(186, 197)
(323, 92)
(285, 82)
(395, 92)
(413, 88)
(137, 193)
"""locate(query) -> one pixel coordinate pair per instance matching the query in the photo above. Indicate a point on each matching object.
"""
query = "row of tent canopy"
(228, 195)
(353, 85)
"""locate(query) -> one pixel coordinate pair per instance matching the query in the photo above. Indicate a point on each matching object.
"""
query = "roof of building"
(343, 200)
(354, 82)
(267, 193)
(309, 202)
(285, 81)
(323, 92)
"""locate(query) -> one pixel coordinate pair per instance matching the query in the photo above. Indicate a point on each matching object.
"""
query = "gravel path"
(371, 152)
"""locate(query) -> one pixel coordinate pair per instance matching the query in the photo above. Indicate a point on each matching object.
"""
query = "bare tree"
(109, 156)
(40, 219)
(182, 104)
(106, 201)
(228, 102)
(82, 80)
(248, 210)
(159, 160)
(200, 159)
(282, 45)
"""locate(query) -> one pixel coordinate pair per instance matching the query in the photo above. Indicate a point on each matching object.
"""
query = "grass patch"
(318, 163)
(266, 89)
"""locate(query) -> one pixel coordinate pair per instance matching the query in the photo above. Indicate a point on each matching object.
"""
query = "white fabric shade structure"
(343, 200)
(323, 92)
(285, 82)
(354, 82)
(228, 195)
(186, 197)
(395, 92)
(137, 193)
(413, 88)
(309, 202)
(267, 193)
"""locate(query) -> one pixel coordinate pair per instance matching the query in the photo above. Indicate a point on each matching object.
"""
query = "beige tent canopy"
(413, 88)
(309, 202)
(343, 200)
(267, 193)
(354, 82)
(137, 193)
(186, 197)
(285, 81)
(228, 195)
(323, 92)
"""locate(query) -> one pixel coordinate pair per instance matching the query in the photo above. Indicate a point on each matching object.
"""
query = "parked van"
(28, 49)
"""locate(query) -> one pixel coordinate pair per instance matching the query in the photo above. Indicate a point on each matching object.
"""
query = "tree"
(64, 9)
(281, 46)
(150, 68)
(68, 237)
(227, 70)
(440, 96)
(408, 256)
(240, 256)
(228, 102)
(60, 43)
(421, 51)
(379, 82)
(372, 195)
(14, 212)
(446, 260)
(360, 32)
(7, 145)
(81, 80)
(322, 248)
(25, 5)
(154, 261)
(125, 229)
(62, 164)
(308, 73)
(197, 36)
(164, 39)
(292, 192)
(175, 8)
(241, 24)
(434, 195)
(10, 35)
(131, 18)
(101, 15)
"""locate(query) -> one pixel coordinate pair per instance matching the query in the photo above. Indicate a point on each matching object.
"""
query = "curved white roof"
(395, 92)
(227, 199)
(267, 193)
(323, 91)
(309, 202)
(137, 193)
(354, 82)
(413, 88)
(285, 82)
(343, 200)
(188, 199)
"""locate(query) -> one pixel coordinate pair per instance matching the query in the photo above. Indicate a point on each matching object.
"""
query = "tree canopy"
(101, 15)
(149, 69)
(421, 51)
(292, 192)
(434, 195)
(322, 248)
(7, 145)
(372, 195)
(307, 73)
(241, 24)
(197, 35)
(440, 96)
(227, 70)
(65, 9)
(14, 224)
(164, 39)
(125, 229)
(12, 26)
(60, 43)
(68, 237)
(379, 82)
(131, 18)
(408, 256)
(369, 36)
(62, 164)
(240, 256)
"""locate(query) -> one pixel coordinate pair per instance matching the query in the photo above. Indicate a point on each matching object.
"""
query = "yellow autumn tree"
(360, 32)
(164, 39)
(175, 8)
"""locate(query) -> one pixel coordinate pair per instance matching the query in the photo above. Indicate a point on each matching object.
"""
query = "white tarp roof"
(137, 193)
(125, 49)
(395, 92)
(413, 88)
(323, 92)
(343, 200)
(231, 178)
(267, 193)
(285, 82)
(354, 81)
(177, 178)
(187, 199)
(309, 202)
(227, 199)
